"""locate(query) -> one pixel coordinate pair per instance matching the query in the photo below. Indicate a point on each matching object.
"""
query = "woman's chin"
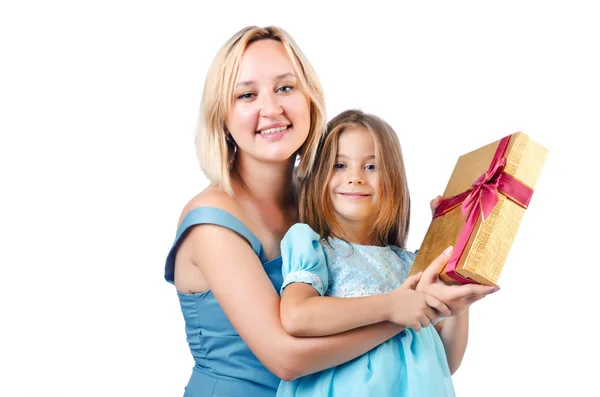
(282, 153)
(281, 157)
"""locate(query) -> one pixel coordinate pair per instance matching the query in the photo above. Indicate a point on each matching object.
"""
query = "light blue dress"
(224, 364)
(410, 364)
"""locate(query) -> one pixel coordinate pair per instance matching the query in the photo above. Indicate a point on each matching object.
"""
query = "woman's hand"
(434, 203)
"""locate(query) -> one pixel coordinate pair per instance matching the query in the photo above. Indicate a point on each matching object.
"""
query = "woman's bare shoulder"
(212, 197)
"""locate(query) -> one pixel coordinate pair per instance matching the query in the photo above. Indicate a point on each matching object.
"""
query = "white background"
(98, 103)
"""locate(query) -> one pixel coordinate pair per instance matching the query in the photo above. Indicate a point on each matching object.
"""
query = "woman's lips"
(274, 133)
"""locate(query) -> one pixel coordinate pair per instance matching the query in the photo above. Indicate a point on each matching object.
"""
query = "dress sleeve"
(303, 259)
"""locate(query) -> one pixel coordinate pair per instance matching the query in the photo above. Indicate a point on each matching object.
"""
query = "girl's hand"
(457, 297)
(412, 309)
(411, 281)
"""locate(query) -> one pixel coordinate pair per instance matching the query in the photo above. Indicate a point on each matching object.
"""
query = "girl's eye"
(338, 166)
(247, 95)
(285, 88)
(370, 167)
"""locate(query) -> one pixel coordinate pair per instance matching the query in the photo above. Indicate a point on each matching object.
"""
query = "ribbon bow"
(481, 199)
(484, 196)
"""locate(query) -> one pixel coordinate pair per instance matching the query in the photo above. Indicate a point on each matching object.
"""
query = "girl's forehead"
(356, 141)
(355, 134)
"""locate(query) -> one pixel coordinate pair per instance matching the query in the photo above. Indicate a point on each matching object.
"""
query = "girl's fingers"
(432, 271)
(438, 305)
(433, 315)
(412, 281)
(424, 321)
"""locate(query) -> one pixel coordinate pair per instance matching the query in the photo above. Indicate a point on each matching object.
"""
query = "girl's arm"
(305, 313)
(246, 295)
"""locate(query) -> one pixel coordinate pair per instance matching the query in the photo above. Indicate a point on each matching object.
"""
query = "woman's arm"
(454, 332)
(246, 295)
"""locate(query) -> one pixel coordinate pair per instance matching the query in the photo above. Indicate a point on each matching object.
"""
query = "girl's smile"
(354, 195)
(354, 184)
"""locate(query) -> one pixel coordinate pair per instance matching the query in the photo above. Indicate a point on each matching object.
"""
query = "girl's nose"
(355, 179)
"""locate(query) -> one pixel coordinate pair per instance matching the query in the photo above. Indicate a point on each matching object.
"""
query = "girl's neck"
(357, 233)
(268, 183)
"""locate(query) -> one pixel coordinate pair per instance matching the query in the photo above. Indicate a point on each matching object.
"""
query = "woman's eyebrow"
(282, 76)
(285, 75)
(245, 83)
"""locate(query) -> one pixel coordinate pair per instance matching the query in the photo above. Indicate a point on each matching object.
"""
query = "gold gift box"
(489, 242)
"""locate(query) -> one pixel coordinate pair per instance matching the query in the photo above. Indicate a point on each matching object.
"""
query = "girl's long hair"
(393, 220)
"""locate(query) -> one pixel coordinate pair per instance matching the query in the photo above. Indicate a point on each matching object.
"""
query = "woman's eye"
(370, 167)
(247, 95)
(285, 88)
(338, 166)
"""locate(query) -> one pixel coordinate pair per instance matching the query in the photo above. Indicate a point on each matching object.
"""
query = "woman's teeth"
(273, 130)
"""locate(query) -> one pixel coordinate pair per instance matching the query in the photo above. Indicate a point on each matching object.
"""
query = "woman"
(262, 106)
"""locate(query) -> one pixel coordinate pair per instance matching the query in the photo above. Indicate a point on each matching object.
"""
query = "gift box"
(483, 204)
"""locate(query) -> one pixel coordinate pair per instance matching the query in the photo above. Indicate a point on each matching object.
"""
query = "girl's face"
(270, 116)
(354, 187)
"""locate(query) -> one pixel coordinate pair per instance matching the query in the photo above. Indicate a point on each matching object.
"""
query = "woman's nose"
(270, 106)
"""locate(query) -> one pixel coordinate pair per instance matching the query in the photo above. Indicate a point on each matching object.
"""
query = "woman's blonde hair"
(215, 154)
(393, 220)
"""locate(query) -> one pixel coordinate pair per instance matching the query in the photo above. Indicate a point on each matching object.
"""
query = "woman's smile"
(275, 132)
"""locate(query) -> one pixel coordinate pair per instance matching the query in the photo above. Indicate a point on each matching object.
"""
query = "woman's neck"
(269, 183)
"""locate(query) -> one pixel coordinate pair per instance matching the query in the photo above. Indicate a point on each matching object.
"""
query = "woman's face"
(270, 116)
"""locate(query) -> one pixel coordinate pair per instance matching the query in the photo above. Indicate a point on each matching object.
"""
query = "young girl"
(356, 206)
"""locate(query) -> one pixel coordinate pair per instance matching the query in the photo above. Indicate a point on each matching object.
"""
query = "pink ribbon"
(480, 200)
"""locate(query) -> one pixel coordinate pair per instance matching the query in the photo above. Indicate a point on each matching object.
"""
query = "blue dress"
(410, 364)
(224, 365)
